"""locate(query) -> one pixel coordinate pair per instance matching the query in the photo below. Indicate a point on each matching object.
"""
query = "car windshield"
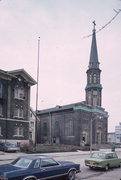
(22, 162)
(98, 155)
(8, 144)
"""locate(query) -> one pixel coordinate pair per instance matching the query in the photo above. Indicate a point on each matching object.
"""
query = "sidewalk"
(11, 156)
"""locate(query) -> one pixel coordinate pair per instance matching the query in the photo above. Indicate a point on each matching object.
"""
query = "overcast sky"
(64, 53)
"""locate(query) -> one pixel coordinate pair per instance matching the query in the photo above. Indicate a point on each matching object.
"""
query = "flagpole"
(37, 91)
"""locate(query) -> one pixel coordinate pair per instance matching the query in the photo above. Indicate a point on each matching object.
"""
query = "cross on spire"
(94, 25)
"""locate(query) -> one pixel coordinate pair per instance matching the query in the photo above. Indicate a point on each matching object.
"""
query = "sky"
(64, 52)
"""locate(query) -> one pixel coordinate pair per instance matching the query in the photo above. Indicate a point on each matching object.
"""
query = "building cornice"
(91, 110)
(99, 86)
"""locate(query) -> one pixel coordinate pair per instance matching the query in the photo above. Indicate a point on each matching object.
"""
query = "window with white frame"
(18, 112)
(19, 131)
(1, 110)
(31, 124)
(19, 93)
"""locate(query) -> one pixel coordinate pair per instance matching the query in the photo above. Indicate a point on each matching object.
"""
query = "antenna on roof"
(117, 13)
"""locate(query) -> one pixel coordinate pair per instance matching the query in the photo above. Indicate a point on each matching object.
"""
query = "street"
(77, 157)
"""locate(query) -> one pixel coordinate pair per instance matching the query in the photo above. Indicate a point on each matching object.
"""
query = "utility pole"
(37, 91)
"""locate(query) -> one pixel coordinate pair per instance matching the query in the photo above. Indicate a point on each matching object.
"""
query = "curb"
(6, 159)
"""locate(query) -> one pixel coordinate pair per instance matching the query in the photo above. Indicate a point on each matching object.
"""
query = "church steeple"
(93, 63)
(93, 88)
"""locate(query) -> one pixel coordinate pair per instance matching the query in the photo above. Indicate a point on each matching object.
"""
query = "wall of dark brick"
(81, 123)
(7, 120)
(8, 130)
(23, 103)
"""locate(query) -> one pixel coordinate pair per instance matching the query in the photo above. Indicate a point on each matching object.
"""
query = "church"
(79, 123)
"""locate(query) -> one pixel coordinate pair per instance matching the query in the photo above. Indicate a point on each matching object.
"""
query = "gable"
(22, 73)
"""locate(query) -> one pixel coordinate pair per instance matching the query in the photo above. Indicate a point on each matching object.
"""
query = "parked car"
(38, 167)
(8, 147)
(104, 160)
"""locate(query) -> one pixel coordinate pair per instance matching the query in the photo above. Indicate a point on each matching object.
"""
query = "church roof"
(74, 107)
(94, 63)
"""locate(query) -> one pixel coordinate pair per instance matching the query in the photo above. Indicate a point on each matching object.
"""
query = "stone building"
(15, 105)
(111, 137)
(118, 133)
(79, 123)
(115, 137)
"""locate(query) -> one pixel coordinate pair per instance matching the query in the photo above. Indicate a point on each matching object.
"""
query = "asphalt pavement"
(77, 157)
(11, 156)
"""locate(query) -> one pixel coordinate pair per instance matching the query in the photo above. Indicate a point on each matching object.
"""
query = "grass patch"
(42, 148)
(56, 148)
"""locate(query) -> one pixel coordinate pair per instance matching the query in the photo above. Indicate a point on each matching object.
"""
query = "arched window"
(57, 129)
(89, 98)
(44, 129)
(98, 78)
(90, 78)
(94, 78)
(69, 127)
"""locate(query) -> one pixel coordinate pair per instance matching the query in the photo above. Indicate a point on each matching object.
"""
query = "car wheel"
(119, 165)
(71, 175)
(107, 167)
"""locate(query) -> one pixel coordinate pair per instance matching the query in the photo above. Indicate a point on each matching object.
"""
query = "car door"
(51, 169)
(112, 159)
(116, 160)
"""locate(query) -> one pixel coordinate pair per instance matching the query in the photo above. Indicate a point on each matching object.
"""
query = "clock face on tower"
(94, 92)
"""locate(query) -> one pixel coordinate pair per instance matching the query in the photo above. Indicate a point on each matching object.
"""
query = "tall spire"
(94, 63)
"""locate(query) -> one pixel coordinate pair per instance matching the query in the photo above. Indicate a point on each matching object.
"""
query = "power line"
(117, 13)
